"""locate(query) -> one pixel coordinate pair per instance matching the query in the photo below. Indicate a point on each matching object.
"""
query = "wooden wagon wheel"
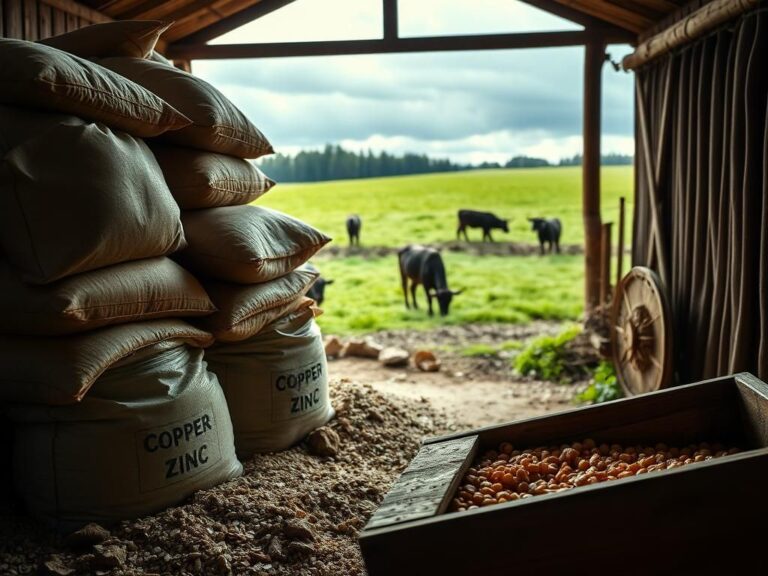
(641, 335)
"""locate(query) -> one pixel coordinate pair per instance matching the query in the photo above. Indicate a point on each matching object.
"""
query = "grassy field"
(366, 294)
(409, 209)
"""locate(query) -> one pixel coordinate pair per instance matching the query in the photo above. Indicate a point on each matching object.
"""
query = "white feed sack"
(276, 383)
(153, 429)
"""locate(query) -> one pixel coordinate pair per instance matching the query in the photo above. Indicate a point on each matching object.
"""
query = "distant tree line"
(335, 163)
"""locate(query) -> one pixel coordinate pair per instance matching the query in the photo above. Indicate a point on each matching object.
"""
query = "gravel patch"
(291, 512)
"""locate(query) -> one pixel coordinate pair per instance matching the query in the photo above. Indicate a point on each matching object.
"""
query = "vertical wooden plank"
(14, 25)
(593, 65)
(2, 26)
(71, 22)
(390, 19)
(620, 263)
(59, 22)
(605, 262)
(45, 22)
(30, 20)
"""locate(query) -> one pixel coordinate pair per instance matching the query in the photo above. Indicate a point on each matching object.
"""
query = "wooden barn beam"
(390, 19)
(79, 10)
(345, 47)
(688, 29)
(594, 58)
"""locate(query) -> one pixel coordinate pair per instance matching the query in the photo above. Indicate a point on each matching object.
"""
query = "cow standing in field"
(484, 220)
(425, 266)
(353, 229)
(549, 232)
(317, 290)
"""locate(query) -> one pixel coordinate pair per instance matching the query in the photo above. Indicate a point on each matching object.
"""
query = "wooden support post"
(593, 66)
(605, 262)
(185, 65)
(390, 19)
(620, 248)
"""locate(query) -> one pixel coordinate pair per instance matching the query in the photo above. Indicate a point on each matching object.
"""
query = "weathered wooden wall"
(38, 19)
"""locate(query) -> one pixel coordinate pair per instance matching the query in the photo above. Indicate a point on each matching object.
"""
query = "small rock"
(375, 416)
(88, 535)
(362, 349)
(426, 361)
(323, 442)
(55, 566)
(296, 529)
(107, 556)
(275, 549)
(345, 425)
(394, 357)
(300, 548)
(333, 346)
(223, 565)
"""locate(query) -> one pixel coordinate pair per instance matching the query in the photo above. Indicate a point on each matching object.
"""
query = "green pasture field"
(366, 295)
(403, 210)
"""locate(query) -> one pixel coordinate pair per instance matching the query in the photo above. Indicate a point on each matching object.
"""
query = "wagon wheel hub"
(639, 338)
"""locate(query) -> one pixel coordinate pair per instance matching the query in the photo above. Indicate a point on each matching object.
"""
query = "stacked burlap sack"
(268, 354)
(114, 412)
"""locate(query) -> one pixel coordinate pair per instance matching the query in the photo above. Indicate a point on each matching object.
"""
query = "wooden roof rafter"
(194, 48)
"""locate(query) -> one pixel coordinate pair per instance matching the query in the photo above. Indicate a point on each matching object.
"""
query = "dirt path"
(475, 391)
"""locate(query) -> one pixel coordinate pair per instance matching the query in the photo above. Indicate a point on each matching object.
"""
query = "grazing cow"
(425, 266)
(353, 229)
(317, 290)
(549, 232)
(484, 220)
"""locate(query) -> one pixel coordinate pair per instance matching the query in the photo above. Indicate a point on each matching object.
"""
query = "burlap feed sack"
(148, 435)
(133, 38)
(60, 370)
(217, 124)
(243, 310)
(199, 179)
(246, 244)
(17, 125)
(80, 196)
(276, 384)
(155, 56)
(43, 77)
(128, 292)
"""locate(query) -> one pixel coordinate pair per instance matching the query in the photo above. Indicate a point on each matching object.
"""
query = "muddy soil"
(474, 391)
(473, 248)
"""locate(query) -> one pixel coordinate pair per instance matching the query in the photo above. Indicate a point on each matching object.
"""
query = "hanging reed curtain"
(701, 216)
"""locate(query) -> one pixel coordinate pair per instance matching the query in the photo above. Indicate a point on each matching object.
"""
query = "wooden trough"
(703, 518)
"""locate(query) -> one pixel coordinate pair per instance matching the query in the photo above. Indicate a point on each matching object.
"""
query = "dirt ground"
(299, 512)
(473, 391)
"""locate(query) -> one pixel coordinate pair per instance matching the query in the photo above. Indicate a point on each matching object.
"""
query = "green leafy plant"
(544, 356)
(604, 386)
(479, 350)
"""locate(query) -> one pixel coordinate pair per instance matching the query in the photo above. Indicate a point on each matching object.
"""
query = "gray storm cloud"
(425, 97)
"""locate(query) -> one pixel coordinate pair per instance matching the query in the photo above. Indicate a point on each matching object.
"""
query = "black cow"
(353, 229)
(425, 266)
(549, 232)
(484, 220)
(317, 290)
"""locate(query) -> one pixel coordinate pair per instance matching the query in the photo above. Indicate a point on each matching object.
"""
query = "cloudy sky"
(468, 106)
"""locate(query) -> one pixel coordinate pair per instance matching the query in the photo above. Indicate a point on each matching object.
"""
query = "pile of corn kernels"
(507, 474)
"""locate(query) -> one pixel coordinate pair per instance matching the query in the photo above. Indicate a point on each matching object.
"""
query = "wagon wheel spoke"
(655, 362)
(627, 303)
(625, 356)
